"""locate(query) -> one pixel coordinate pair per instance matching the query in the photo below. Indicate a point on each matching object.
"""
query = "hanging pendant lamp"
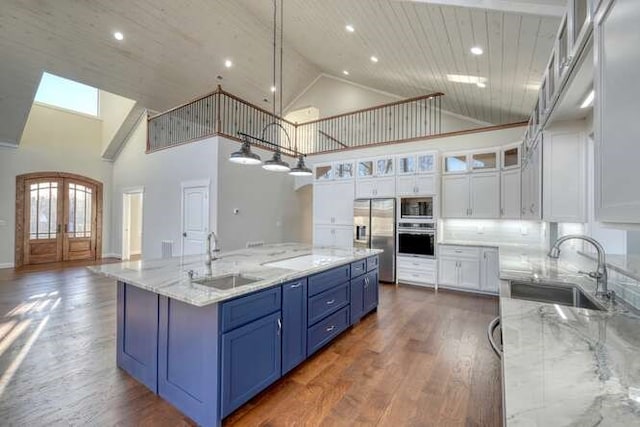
(301, 169)
(245, 156)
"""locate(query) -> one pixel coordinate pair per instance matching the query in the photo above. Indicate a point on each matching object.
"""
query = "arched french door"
(58, 218)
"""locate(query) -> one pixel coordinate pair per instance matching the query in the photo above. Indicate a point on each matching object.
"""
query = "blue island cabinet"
(294, 324)
(364, 288)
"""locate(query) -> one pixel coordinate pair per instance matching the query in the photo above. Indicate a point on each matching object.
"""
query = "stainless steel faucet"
(600, 274)
(211, 251)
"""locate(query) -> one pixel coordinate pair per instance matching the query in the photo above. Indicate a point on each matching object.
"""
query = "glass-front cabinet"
(407, 164)
(580, 15)
(384, 166)
(323, 172)
(511, 156)
(420, 163)
(365, 169)
(455, 163)
(563, 50)
(484, 161)
(343, 170)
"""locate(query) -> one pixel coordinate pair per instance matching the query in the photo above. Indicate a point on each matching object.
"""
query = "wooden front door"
(60, 219)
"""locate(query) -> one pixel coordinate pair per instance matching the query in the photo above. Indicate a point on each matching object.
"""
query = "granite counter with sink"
(565, 366)
(209, 338)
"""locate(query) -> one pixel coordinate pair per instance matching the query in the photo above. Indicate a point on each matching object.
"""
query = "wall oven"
(417, 239)
(416, 208)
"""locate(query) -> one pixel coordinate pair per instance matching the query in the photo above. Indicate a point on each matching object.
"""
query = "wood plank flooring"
(421, 360)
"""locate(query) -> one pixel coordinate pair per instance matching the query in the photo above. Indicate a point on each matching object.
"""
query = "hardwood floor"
(421, 360)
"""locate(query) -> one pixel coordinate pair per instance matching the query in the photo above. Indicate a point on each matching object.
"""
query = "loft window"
(67, 94)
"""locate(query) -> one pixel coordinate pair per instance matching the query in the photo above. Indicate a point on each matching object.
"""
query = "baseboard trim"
(119, 256)
(6, 265)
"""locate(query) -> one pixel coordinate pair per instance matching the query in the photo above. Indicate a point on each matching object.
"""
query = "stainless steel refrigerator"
(374, 225)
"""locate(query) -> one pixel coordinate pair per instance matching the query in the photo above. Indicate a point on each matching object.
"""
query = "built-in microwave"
(416, 207)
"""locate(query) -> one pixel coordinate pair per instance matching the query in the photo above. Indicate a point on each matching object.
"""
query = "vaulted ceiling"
(175, 50)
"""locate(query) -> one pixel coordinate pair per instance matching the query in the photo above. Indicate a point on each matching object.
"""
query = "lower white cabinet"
(416, 185)
(416, 270)
(375, 187)
(468, 268)
(333, 236)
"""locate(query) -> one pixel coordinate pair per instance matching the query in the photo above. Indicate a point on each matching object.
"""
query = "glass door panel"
(426, 163)
(482, 161)
(344, 170)
(365, 169)
(454, 164)
(324, 173)
(384, 167)
(42, 224)
(406, 165)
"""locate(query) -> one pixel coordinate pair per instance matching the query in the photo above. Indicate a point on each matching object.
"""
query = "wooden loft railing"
(221, 113)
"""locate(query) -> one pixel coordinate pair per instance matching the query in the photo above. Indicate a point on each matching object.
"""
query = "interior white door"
(195, 218)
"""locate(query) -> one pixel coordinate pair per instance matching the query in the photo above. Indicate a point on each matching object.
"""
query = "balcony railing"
(221, 113)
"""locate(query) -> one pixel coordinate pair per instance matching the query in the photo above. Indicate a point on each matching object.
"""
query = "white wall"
(53, 140)
(331, 96)
(113, 111)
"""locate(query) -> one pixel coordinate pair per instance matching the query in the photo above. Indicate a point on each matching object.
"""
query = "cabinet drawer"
(327, 302)
(372, 263)
(459, 251)
(416, 276)
(327, 280)
(419, 264)
(245, 309)
(327, 329)
(358, 268)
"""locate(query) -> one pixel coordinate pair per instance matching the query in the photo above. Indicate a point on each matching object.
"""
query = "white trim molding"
(6, 265)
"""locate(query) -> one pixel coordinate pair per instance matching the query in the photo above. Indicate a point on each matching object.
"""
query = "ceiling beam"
(556, 8)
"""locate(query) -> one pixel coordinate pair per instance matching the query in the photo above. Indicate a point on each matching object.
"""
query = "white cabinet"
(375, 187)
(416, 185)
(468, 268)
(510, 194)
(333, 203)
(471, 195)
(455, 196)
(416, 271)
(564, 177)
(531, 183)
(616, 111)
(419, 163)
(490, 271)
(485, 195)
(333, 236)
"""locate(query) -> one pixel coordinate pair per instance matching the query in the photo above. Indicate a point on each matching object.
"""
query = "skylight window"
(64, 93)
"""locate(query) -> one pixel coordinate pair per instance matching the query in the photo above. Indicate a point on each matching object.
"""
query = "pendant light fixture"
(245, 156)
(276, 163)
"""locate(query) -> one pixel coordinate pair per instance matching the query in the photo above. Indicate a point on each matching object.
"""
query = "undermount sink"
(229, 281)
(569, 295)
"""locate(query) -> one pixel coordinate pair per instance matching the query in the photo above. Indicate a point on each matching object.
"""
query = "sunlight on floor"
(16, 326)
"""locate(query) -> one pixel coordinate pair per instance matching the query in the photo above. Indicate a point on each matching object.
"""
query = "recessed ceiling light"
(461, 78)
(228, 63)
(273, 88)
(345, 72)
(481, 85)
(588, 101)
(374, 59)
(477, 50)
(118, 36)
(349, 28)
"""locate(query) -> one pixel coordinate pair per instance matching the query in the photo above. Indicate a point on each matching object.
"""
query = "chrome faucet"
(211, 251)
(600, 274)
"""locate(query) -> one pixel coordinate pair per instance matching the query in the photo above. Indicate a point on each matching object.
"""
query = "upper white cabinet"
(455, 163)
(511, 156)
(334, 171)
(365, 169)
(343, 170)
(510, 194)
(471, 195)
(416, 174)
(564, 177)
(617, 127)
(421, 163)
(484, 161)
(385, 166)
(333, 236)
(375, 178)
(323, 172)
(416, 185)
(531, 185)
(333, 203)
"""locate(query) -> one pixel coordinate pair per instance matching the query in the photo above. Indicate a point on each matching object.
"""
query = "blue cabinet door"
(357, 298)
(371, 291)
(251, 360)
(294, 324)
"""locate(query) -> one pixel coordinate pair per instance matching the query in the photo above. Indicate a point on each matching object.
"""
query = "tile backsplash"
(493, 231)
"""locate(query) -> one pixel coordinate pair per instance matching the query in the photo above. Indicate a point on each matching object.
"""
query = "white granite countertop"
(169, 277)
(566, 366)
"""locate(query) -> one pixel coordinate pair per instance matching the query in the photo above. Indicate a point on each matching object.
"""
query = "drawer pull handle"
(331, 301)
(458, 252)
(331, 328)
(297, 285)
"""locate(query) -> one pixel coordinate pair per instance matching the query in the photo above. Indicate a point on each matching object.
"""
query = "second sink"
(225, 282)
(568, 294)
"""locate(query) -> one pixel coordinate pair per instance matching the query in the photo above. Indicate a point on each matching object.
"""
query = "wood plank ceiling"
(174, 51)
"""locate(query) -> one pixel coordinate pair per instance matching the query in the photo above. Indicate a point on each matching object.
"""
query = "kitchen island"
(209, 338)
